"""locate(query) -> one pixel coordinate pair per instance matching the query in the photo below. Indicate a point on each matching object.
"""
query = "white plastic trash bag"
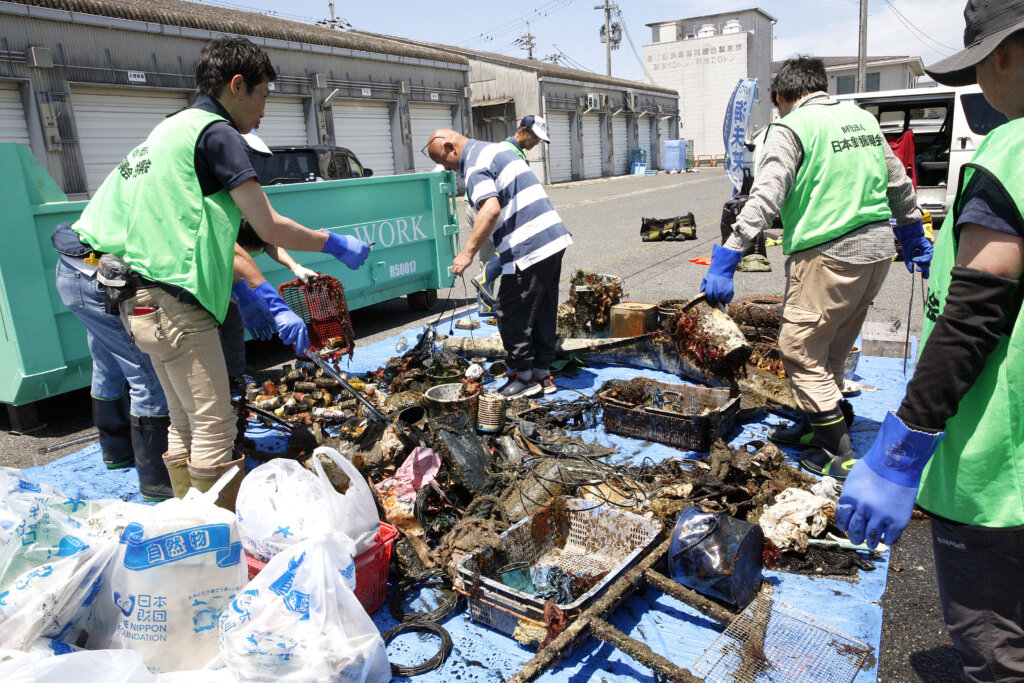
(52, 568)
(178, 565)
(299, 621)
(86, 666)
(281, 503)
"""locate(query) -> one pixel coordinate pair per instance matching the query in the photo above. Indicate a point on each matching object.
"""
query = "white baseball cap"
(536, 125)
(256, 143)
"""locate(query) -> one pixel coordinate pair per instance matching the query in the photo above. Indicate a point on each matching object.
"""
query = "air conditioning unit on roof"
(594, 100)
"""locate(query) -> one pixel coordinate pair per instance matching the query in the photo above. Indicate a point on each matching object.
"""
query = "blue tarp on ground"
(669, 627)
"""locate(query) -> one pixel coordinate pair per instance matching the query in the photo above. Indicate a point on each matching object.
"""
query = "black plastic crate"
(711, 414)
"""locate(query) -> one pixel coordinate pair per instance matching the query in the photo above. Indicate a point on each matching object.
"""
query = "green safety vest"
(841, 184)
(151, 212)
(977, 474)
(516, 148)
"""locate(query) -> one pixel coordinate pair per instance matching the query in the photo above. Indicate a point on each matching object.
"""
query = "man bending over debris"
(828, 171)
(532, 129)
(530, 239)
(170, 213)
(964, 408)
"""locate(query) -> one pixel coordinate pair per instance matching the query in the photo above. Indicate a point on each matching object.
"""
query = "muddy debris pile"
(450, 489)
(588, 310)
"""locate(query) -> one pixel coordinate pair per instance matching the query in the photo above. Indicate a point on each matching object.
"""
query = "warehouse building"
(83, 82)
(704, 58)
(593, 120)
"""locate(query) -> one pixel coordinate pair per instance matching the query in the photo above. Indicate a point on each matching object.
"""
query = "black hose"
(434, 662)
(419, 580)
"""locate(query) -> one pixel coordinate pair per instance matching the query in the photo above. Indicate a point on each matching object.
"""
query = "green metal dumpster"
(43, 351)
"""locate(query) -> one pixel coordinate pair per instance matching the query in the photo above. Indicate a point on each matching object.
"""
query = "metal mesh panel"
(771, 641)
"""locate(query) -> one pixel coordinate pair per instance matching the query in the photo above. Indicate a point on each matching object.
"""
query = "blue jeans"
(115, 359)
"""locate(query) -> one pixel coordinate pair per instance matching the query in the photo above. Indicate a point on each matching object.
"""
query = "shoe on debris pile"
(517, 387)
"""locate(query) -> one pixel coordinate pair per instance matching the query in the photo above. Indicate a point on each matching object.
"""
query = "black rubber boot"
(830, 453)
(149, 439)
(112, 420)
(800, 434)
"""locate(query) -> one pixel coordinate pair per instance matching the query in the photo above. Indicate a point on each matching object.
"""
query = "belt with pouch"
(179, 293)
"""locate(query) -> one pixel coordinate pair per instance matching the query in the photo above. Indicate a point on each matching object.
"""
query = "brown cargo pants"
(823, 310)
(182, 340)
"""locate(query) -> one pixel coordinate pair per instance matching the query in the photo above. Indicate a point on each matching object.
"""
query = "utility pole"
(333, 22)
(556, 55)
(525, 42)
(607, 7)
(862, 50)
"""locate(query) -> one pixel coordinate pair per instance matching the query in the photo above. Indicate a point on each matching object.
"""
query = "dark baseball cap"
(989, 22)
(537, 126)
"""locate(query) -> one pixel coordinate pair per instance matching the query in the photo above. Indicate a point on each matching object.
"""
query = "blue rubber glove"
(290, 327)
(880, 492)
(717, 284)
(917, 250)
(256, 316)
(349, 250)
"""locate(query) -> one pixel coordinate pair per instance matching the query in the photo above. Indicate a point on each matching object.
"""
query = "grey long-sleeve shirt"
(773, 181)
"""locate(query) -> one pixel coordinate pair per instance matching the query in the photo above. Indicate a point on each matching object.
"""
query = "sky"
(930, 29)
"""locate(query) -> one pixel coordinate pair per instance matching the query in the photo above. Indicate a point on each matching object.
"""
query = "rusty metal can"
(270, 388)
(328, 413)
(267, 402)
(305, 387)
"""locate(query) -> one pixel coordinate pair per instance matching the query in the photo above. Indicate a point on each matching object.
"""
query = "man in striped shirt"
(529, 236)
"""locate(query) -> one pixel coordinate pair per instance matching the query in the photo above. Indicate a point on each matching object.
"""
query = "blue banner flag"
(734, 129)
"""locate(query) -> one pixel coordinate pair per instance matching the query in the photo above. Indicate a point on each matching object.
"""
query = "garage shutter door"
(12, 115)
(113, 121)
(620, 146)
(643, 136)
(424, 119)
(592, 146)
(284, 122)
(664, 135)
(365, 128)
(560, 148)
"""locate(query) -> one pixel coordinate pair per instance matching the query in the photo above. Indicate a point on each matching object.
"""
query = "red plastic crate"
(371, 569)
(321, 305)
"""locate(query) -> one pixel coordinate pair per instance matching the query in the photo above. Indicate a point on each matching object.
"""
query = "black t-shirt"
(987, 205)
(223, 159)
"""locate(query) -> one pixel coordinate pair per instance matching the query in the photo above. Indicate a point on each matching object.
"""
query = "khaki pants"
(825, 305)
(183, 343)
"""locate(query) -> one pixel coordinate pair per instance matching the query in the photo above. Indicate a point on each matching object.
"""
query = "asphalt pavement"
(604, 218)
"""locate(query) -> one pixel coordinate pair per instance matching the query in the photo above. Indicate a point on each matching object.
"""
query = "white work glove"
(303, 273)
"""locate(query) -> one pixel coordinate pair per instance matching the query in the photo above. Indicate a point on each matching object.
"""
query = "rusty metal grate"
(321, 305)
(771, 641)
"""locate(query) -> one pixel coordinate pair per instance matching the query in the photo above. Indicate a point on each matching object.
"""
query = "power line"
(513, 24)
(918, 33)
(632, 45)
(244, 8)
(572, 62)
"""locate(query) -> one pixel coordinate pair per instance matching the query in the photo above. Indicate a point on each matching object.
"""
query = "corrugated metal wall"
(101, 52)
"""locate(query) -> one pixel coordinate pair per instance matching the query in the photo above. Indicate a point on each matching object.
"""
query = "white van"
(948, 124)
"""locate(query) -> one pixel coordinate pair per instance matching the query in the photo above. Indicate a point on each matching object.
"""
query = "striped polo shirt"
(528, 229)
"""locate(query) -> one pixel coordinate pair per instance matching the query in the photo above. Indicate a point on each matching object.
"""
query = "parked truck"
(43, 351)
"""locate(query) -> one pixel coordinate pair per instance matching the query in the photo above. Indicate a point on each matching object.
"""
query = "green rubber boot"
(830, 452)
(203, 478)
(800, 434)
(177, 470)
